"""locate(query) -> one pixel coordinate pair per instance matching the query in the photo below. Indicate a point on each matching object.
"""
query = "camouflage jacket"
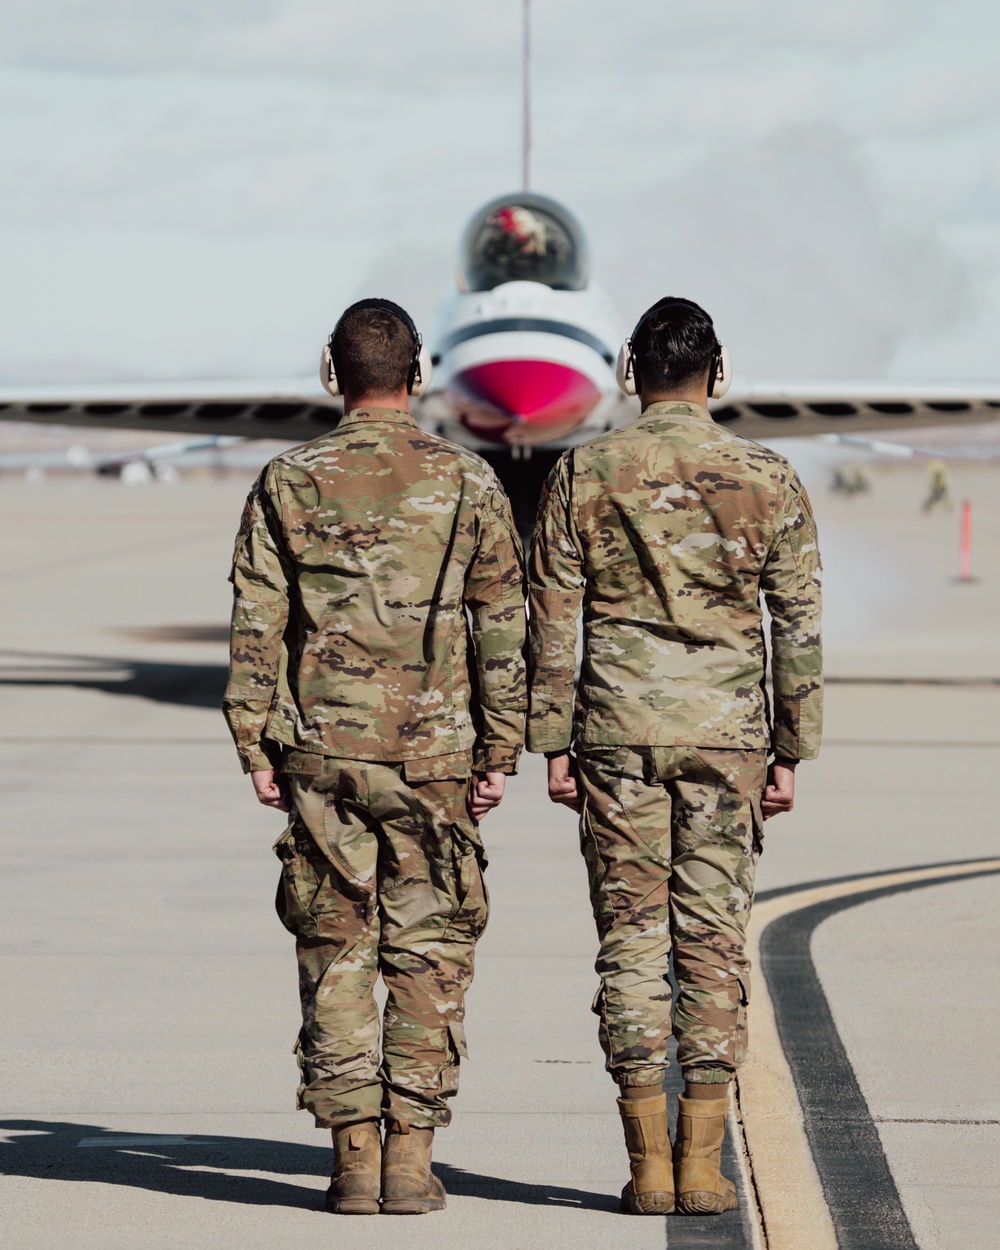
(667, 531)
(367, 564)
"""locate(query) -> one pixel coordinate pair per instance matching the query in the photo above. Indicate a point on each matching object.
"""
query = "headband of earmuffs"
(720, 373)
(419, 377)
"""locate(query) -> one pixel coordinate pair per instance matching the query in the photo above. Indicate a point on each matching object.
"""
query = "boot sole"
(352, 1206)
(656, 1203)
(701, 1202)
(412, 1206)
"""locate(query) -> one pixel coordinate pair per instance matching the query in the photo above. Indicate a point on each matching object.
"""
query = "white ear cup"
(327, 373)
(422, 378)
(625, 372)
(625, 369)
(718, 385)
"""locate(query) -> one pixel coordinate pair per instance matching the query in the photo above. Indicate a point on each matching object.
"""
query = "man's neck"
(398, 400)
(695, 395)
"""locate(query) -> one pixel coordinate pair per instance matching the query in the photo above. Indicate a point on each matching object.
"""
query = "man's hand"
(485, 794)
(562, 781)
(779, 793)
(271, 789)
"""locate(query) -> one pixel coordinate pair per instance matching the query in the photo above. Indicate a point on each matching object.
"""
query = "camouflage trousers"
(382, 872)
(671, 838)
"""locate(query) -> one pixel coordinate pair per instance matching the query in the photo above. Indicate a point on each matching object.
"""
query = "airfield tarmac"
(149, 992)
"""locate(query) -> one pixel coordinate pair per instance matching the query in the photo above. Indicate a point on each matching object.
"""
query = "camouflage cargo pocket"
(602, 902)
(758, 827)
(740, 1041)
(297, 887)
(457, 1051)
(473, 910)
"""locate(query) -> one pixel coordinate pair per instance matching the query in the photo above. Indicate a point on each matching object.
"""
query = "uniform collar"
(667, 408)
(358, 416)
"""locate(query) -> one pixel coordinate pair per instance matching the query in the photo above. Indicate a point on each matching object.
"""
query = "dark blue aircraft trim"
(502, 325)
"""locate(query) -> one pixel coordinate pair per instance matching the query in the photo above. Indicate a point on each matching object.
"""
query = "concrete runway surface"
(149, 992)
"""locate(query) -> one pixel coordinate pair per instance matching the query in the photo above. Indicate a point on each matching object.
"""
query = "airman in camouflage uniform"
(377, 639)
(666, 532)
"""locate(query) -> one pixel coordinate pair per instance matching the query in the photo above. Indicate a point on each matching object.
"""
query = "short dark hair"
(372, 351)
(673, 344)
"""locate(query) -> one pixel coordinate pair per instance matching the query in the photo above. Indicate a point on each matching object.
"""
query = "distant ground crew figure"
(852, 480)
(667, 531)
(377, 692)
(938, 487)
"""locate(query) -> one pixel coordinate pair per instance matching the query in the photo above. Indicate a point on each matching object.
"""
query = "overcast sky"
(195, 190)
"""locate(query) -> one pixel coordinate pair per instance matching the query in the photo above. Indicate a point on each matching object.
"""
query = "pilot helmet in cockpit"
(524, 238)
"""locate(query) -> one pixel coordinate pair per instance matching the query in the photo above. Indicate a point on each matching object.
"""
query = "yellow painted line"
(789, 1194)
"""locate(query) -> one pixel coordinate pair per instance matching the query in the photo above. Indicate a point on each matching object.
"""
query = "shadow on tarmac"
(159, 1162)
(192, 685)
(475, 1185)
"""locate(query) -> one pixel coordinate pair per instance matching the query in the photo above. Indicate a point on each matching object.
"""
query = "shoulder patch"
(246, 520)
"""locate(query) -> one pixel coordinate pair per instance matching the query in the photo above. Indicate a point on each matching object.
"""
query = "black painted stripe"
(857, 1183)
(541, 325)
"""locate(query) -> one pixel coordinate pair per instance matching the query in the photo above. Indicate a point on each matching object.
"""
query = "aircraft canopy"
(524, 238)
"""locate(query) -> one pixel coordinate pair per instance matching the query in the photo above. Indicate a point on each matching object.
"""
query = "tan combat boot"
(701, 1187)
(357, 1170)
(409, 1187)
(647, 1136)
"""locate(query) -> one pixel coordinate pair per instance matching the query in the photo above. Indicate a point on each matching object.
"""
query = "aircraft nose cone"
(536, 391)
(522, 401)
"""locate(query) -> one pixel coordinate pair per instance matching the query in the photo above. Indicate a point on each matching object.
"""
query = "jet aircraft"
(523, 349)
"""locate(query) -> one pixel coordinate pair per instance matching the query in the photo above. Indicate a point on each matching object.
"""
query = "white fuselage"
(524, 365)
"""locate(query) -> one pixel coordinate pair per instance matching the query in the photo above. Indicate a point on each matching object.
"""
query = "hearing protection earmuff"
(720, 372)
(419, 377)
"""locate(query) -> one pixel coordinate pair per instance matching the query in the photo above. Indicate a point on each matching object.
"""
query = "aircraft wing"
(800, 409)
(295, 409)
(298, 409)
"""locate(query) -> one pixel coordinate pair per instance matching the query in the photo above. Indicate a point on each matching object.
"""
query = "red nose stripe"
(537, 391)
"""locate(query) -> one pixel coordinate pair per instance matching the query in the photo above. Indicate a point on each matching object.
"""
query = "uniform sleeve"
(555, 592)
(260, 614)
(494, 595)
(791, 582)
